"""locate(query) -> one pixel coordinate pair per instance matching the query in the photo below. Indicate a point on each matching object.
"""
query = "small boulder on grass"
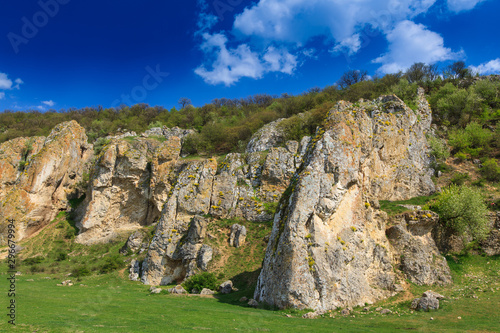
(207, 291)
(178, 290)
(226, 287)
(385, 311)
(155, 290)
(428, 301)
(253, 303)
(243, 299)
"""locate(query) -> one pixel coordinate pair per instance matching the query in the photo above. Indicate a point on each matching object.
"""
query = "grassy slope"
(110, 303)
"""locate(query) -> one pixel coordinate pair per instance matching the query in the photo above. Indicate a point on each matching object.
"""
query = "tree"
(462, 210)
(351, 77)
(184, 102)
(457, 70)
(420, 72)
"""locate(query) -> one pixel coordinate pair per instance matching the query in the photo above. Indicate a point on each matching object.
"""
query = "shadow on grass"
(245, 282)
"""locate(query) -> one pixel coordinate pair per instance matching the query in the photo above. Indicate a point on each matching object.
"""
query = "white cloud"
(491, 67)
(461, 5)
(409, 43)
(50, 103)
(232, 64)
(296, 21)
(350, 45)
(2, 95)
(7, 84)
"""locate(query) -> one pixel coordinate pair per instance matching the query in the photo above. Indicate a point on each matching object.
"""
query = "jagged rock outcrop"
(328, 246)
(134, 243)
(269, 136)
(13, 155)
(119, 196)
(169, 133)
(48, 180)
(415, 251)
(238, 187)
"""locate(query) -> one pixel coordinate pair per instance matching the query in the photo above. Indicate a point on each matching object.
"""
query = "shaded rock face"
(48, 180)
(328, 247)
(415, 251)
(134, 243)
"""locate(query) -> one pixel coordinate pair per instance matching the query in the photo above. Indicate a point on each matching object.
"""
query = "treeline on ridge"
(225, 125)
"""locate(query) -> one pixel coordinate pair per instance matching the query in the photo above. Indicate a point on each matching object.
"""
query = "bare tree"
(457, 70)
(351, 77)
(184, 102)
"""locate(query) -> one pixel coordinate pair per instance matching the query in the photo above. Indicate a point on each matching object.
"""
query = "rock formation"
(328, 246)
(49, 178)
(414, 249)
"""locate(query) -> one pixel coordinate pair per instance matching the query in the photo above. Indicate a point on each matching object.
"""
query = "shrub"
(200, 281)
(460, 178)
(270, 207)
(61, 256)
(80, 271)
(111, 264)
(99, 145)
(491, 170)
(462, 210)
(439, 148)
(473, 139)
(461, 156)
(33, 261)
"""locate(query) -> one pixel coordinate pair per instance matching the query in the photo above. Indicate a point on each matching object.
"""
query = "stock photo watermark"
(11, 273)
(30, 27)
(139, 93)
(221, 7)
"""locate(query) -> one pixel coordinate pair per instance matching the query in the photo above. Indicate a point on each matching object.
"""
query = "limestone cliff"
(48, 180)
(328, 246)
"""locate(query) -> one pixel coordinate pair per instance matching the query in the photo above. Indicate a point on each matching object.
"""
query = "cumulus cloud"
(8, 84)
(409, 43)
(462, 5)
(350, 45)
(231, 64)
(50, 103)
(491, 67)
(296, 21)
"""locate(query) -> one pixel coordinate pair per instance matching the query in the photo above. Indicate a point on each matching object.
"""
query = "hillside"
(304, 203)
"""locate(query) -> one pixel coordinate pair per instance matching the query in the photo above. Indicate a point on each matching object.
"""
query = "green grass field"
(111, 303)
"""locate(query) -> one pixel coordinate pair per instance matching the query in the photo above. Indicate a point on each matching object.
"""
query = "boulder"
(155, 290)
(178, 290)
(425, 304)
(238, 235)
(243, 299)
(385, 311)
(226, 287)
(253, 303)
(414, 249)
(310, 315)
(204, 257)
(206, 291)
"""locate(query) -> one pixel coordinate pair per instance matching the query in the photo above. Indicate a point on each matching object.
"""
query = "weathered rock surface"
(169, 133)
(48, 180)
(178, 290)
(120, 197)
(238, 235)
(134, 271)
(12, 154)
(134, 243)
(270, 135)
(415, 251)
(328, 247)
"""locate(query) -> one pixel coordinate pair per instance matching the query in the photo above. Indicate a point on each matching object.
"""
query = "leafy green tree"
(462, 210)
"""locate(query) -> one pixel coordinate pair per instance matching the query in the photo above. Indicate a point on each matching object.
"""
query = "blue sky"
(73, 53)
